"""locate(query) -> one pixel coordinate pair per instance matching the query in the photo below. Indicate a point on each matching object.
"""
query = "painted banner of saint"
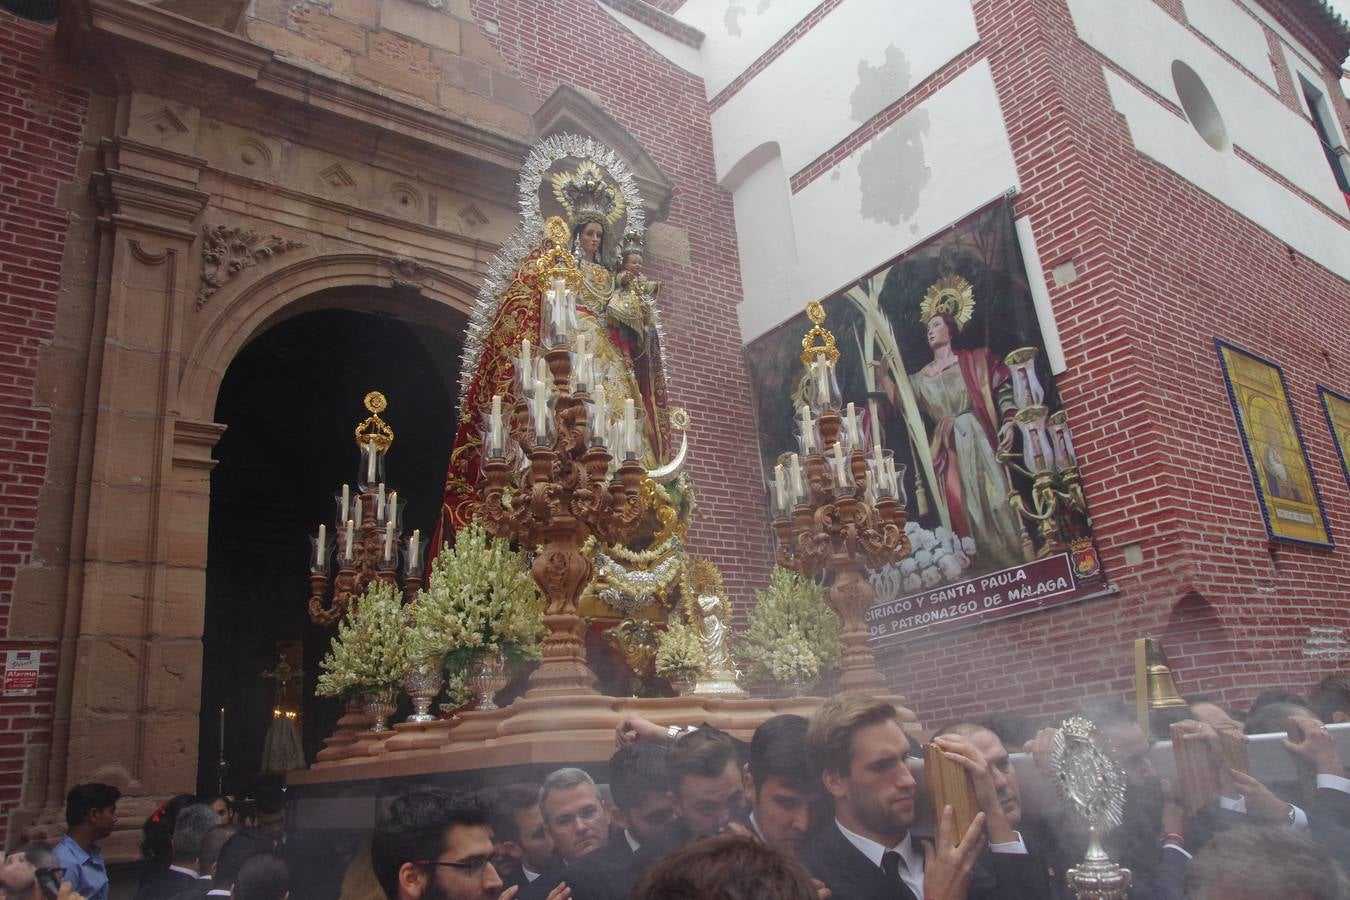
(1281, 474)
(925, 346)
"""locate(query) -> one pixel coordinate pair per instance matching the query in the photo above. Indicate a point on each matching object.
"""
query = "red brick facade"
(41, 119)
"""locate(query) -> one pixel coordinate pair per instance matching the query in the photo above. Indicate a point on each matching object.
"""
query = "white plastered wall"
(854, 63)
(1236, 33)
(1143, 41)
(738, 32)
(946, 158)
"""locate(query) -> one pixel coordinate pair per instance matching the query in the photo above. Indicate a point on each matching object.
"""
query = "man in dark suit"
(778, 784)
(208, 859)
(856, 745)
(579, 823)
(185, 873)
(522, 846)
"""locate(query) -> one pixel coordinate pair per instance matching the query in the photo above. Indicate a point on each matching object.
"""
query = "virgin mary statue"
(589, 186)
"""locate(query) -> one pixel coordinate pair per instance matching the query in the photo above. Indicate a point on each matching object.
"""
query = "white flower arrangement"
(371, 650)
(790, 617)
(679, 650)
(790, 659)
(936, 557)
(479, 599)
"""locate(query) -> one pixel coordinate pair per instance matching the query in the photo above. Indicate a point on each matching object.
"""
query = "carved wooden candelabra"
(840, 512)
(366, 539)
(565, 493)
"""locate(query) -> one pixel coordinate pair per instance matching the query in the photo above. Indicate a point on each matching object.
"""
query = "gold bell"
(1153, 683)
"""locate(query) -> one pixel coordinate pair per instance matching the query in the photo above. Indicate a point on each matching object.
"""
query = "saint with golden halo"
(586, 184)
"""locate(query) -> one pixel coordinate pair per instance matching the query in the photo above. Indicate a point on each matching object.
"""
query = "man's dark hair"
(40, 855)
(704, 753)
(414, 828)
(212, 844)
(190, 828)
(1273, 717)
(239, 849)
(271, 797)
(1331, 696)
(157, 832)
(510, 800)
(1012, 729)
(1266, 698)
(726, 867)
(85, 798)
(778, 750)
(1261, 861)
(263, 877)
(636, 772)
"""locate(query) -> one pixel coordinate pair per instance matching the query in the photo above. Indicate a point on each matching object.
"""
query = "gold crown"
(950, 295)
(586, 196)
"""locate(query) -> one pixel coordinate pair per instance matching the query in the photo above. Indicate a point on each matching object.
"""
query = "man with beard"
(523, 846)
(433, 845)
(855, 744)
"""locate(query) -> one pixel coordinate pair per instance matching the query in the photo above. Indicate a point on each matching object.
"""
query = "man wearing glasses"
(433, 845)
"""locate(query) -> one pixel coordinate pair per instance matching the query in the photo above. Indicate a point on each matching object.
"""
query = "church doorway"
(290, 400)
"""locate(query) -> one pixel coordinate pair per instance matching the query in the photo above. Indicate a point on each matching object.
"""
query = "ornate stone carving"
(405, 272)
(227, 251)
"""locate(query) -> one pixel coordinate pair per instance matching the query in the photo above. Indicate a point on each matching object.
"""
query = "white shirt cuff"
(1016, 846)
(1334, 782)
(1300, 822)
(1180, 849)
(1236, 805)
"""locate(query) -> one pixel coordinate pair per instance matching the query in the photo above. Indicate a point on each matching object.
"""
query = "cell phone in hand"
(49, 885)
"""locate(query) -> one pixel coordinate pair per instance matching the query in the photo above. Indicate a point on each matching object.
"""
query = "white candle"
(351, 534)
(357, 508)
(808, 430)
(222, 731)
(540, 410)
(495, 424)
(780, 485)
(795, 470)
(541, 372)
(388, 541)
(892, 478)
(839, 469)
(321, 546)
(601, 413)
(822, 380)
(854, 436)
(527, 357)
(346, 503)
(379, 504)
(629, 427)
(370, 462)
(393, 506)
(413, 558)
(876, 457)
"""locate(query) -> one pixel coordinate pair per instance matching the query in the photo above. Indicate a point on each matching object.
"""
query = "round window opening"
(1199, 106)
(37, 10)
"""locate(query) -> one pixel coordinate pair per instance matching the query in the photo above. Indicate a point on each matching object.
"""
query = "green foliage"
(680, 649)
(791, 634)
(371, 650)
(479, 599)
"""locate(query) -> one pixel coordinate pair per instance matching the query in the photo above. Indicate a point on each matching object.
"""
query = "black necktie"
(890, 864)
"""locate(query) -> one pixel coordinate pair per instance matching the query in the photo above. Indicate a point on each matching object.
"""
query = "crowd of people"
(808, 809)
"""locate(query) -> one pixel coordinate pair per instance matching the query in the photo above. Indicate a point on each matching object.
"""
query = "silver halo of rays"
(1087, 775)
(530, 232)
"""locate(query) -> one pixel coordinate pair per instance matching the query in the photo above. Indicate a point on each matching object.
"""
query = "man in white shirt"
(856, 745)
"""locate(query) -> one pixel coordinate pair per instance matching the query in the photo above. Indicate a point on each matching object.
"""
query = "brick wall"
(40, 124)
(1163, 269)
(665, 108)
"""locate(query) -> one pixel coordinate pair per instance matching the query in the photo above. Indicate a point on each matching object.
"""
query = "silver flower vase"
(380, 705)
(487, 677)
(423, 684)
(683, 682)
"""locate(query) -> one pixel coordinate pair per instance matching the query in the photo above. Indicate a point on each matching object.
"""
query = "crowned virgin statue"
(618, 324)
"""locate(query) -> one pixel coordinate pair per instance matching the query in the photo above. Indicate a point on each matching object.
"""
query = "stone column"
(135, 681)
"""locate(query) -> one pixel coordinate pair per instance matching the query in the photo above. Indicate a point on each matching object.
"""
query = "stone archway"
(289, 400)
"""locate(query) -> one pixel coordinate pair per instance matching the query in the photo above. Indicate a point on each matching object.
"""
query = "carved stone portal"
(228, 251)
